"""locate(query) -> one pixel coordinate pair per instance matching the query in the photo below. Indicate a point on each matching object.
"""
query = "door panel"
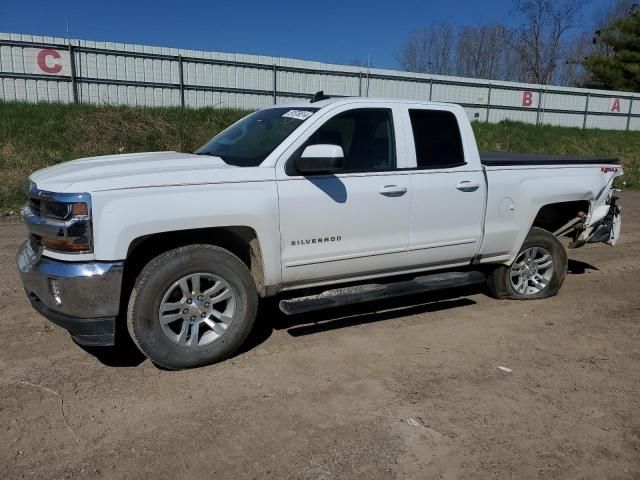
(446, 217)
(354, 222)
(342, 226)
(448, 194)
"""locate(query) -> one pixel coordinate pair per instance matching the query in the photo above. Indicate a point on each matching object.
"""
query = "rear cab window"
(437, 139)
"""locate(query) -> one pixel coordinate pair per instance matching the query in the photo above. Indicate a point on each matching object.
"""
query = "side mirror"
(321, 158)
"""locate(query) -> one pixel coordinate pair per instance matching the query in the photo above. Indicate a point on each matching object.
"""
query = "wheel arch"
(498, 279)
(552, 216)
(242, 241)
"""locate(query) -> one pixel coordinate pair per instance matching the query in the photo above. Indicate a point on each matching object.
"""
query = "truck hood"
(136, 170)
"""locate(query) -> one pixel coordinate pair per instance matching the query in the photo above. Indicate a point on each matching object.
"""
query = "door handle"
(392, 190)
(467, 186)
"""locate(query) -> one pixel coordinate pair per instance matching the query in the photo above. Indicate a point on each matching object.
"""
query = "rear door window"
(437, 139)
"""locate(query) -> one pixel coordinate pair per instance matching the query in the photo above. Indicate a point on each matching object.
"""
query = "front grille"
(35, 204)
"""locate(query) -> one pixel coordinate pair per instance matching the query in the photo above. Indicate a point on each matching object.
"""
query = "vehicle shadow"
(578, 267)
(271, 318)
(123, 354)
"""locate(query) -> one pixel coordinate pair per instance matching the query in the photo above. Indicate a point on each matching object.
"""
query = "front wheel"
(537, 271)
(192, 306)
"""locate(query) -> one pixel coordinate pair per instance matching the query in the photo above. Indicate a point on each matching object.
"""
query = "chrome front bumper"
(82, 297)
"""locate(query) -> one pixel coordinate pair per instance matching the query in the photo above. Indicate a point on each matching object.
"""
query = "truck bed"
(495, 159)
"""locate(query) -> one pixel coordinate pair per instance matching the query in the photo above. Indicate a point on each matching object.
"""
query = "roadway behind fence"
(51, 69)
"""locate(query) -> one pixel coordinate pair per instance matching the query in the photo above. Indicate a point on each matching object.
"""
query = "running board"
(367, 293)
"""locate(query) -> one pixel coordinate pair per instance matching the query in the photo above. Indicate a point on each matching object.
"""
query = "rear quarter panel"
(516, 195)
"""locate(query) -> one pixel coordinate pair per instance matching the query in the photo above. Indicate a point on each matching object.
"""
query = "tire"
(171, 338)
(512, 281)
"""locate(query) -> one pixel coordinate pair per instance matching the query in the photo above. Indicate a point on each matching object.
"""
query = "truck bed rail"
(496, 159)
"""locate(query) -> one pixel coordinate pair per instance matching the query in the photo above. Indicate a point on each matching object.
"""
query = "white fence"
(51, 69)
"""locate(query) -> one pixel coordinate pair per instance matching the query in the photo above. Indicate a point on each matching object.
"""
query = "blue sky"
(330, 31)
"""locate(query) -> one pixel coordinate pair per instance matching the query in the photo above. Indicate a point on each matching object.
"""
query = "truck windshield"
(248, 142)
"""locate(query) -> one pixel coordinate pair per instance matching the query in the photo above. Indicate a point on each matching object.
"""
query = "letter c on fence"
(42, 61)
(527, 98)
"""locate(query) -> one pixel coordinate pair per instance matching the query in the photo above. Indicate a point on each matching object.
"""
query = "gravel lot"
(408, 389)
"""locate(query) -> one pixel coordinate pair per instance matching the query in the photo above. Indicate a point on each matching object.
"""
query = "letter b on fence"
(527, 98)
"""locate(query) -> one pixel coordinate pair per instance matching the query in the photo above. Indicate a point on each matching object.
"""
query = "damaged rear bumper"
(606, 231)
(609, 229)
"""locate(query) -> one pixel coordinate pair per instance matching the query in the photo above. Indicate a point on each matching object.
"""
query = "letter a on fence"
(616, 105)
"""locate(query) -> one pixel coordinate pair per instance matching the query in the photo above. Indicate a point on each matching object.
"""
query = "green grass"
(34, 136)
(521, 137)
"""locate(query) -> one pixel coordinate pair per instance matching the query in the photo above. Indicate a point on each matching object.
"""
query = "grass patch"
(34, 136)
(524, 138)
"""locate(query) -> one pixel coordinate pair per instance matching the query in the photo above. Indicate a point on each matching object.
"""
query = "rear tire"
(538, 270)
(192, 306)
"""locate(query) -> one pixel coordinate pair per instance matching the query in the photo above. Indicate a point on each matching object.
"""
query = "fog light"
(55, 291)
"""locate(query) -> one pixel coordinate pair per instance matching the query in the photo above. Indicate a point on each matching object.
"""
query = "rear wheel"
(192, 306)
(538, 270)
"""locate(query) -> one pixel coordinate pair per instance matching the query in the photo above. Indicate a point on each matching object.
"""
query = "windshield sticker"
(298, 114)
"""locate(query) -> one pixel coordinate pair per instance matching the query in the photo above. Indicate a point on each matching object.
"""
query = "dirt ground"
(409, 389)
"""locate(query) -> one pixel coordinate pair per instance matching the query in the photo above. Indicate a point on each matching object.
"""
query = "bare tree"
(544, 49)
(515, 67)
(484, 52)
(429, 50)
(545, 24)
(571, 72)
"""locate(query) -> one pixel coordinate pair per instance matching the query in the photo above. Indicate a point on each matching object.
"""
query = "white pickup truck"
(321, 202)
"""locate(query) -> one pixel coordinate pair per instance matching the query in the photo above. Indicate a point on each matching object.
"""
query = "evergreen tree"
(621, 69)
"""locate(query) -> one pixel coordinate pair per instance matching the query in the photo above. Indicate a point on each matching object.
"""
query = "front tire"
(192, 306)
(538, 270)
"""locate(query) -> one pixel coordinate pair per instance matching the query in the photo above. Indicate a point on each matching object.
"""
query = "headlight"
(75, 235)
(63, 210)
(60, 221)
